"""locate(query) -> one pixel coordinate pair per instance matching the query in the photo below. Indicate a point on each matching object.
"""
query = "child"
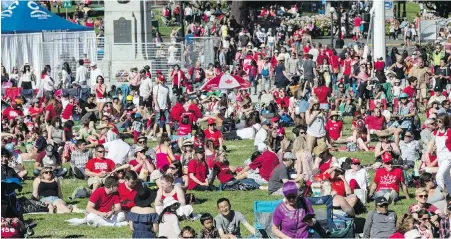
(396, 90)
(137, 127)
(209, 230)
(334, 128)
(409, 149)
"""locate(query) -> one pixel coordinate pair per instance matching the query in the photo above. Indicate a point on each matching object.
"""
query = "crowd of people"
(104, 136)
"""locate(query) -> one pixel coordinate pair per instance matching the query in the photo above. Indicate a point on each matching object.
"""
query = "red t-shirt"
(322, 92)
(306, 49)
(265, 163)
(325, 166)
(347, 67)
(67, 113)
(127, 196)
(11, 231)
(375, 123)
(104, 202)
(97, 165)
(388, 180)
(409, 90)
(334, 129)
(34, 112)
(134, 162)
(379, 65)
(283, 102)
(334, 61)
(338, 186)
(199, 169)
(397, 235)
(197, 113)
(427, 206)
(176, 78)
(214, 136)
(11, 113)
(357, 21)
(224, 173)
(52, 111)
(184, 129)
(176, 111)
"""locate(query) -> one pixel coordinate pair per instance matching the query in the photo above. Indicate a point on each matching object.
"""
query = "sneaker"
(195, 216)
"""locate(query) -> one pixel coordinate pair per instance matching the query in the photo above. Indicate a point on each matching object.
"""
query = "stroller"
(14, 208)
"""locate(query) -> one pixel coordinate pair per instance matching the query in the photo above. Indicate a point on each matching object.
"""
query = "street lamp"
(332, 11)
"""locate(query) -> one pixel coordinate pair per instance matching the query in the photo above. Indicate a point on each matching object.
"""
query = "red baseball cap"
(211, 121)
(355, 161)
(386, 157)
(275, 119)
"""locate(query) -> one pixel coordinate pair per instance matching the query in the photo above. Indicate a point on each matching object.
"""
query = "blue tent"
(31, 17)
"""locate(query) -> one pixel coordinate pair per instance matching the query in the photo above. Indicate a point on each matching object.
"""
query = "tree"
(441, 7)
(239, 10)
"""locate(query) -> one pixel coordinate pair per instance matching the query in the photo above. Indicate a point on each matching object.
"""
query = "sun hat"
(334, 113)
(143, 197)
(93, 63)
(290, 188)
(155, 175)
(384, 133)
(139, 149)
(169, 201)
(319, 149)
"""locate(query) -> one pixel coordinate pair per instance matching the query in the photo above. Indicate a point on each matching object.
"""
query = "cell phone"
(308, 217)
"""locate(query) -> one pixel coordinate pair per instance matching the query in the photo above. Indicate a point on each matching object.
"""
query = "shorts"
(96, 180)
(256, 177)
(324, 106)
(165, 115)
(100, 100)
(135, 88)
(50, 199)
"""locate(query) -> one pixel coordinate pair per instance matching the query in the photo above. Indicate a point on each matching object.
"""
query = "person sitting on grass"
(187, 232)
(404, 225)
(142, 218)
(228, 221)
(208, 227)
(49, 158)
(47, 189)
(380, 223)
(98, 168)
(79, 158)
(387, 180)
(265, 163)
(104, 206)
(280, 175)
(421, 196)
(128, 189)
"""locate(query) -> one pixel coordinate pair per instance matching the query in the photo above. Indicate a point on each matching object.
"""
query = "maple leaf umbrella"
(226, 81)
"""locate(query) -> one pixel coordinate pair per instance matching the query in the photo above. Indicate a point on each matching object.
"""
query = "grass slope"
(54, 225)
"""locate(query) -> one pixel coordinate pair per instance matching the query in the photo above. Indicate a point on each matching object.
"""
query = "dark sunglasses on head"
(173, 168)
(141, 141)
(291, 196)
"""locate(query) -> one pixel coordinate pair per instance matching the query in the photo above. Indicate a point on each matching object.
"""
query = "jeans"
(254, 82)
(165, 115)
(79, 172)
(58, 172)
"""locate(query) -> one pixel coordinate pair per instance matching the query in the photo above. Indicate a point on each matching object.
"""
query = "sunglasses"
(301, 132)
(291, 196)
(425, 219)
(47, 172)
(141, 142)
(356, 164)
(383, 205)
(423, 196)
(173, 168)
(388, 163)
(100, 151)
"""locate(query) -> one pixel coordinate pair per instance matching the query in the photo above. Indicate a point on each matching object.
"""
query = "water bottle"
(316, 187)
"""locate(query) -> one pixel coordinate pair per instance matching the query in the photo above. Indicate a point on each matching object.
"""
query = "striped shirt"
(80, 158)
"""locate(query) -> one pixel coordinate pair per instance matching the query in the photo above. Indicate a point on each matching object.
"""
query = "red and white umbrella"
(226, 81)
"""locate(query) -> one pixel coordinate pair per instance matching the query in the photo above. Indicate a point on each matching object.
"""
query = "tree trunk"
(238, 10)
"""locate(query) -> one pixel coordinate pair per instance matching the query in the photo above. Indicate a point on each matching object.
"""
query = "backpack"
(31, 205)
(80, 192)
(166, 12)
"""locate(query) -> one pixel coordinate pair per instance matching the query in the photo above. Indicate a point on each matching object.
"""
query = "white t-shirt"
(94, 74)
(260, 136)
(188, 11)
(314, 52)
(117, 150)
(145, 88)
(246, 133)
(161, 93)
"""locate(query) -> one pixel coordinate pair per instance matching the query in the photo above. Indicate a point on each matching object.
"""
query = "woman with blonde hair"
(304, 158)
(47, 189)
(315, 119)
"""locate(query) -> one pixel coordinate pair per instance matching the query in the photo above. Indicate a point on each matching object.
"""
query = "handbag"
(31, 205)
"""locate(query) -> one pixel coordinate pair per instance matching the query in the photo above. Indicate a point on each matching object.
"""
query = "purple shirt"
(286, 219)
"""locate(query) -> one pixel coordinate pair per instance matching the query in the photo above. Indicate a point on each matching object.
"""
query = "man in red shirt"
(265, 163)
(388, 179)
(104, 206)
(98, 168)
(211, 133)
(357, 22)
(177, 110)
(128, 190)
(375, 122)
(197, 75)
(12, 112)
(341, 190)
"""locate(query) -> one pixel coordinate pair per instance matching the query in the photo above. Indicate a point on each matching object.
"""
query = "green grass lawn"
(55, 226)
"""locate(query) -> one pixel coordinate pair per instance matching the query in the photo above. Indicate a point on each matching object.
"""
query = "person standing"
(160, 97)
(81, 74)
(145, 90)
(95, 72)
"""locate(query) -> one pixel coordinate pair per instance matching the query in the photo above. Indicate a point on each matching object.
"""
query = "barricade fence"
(116, 60)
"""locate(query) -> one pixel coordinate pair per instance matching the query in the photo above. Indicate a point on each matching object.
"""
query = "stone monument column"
(128, 30)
